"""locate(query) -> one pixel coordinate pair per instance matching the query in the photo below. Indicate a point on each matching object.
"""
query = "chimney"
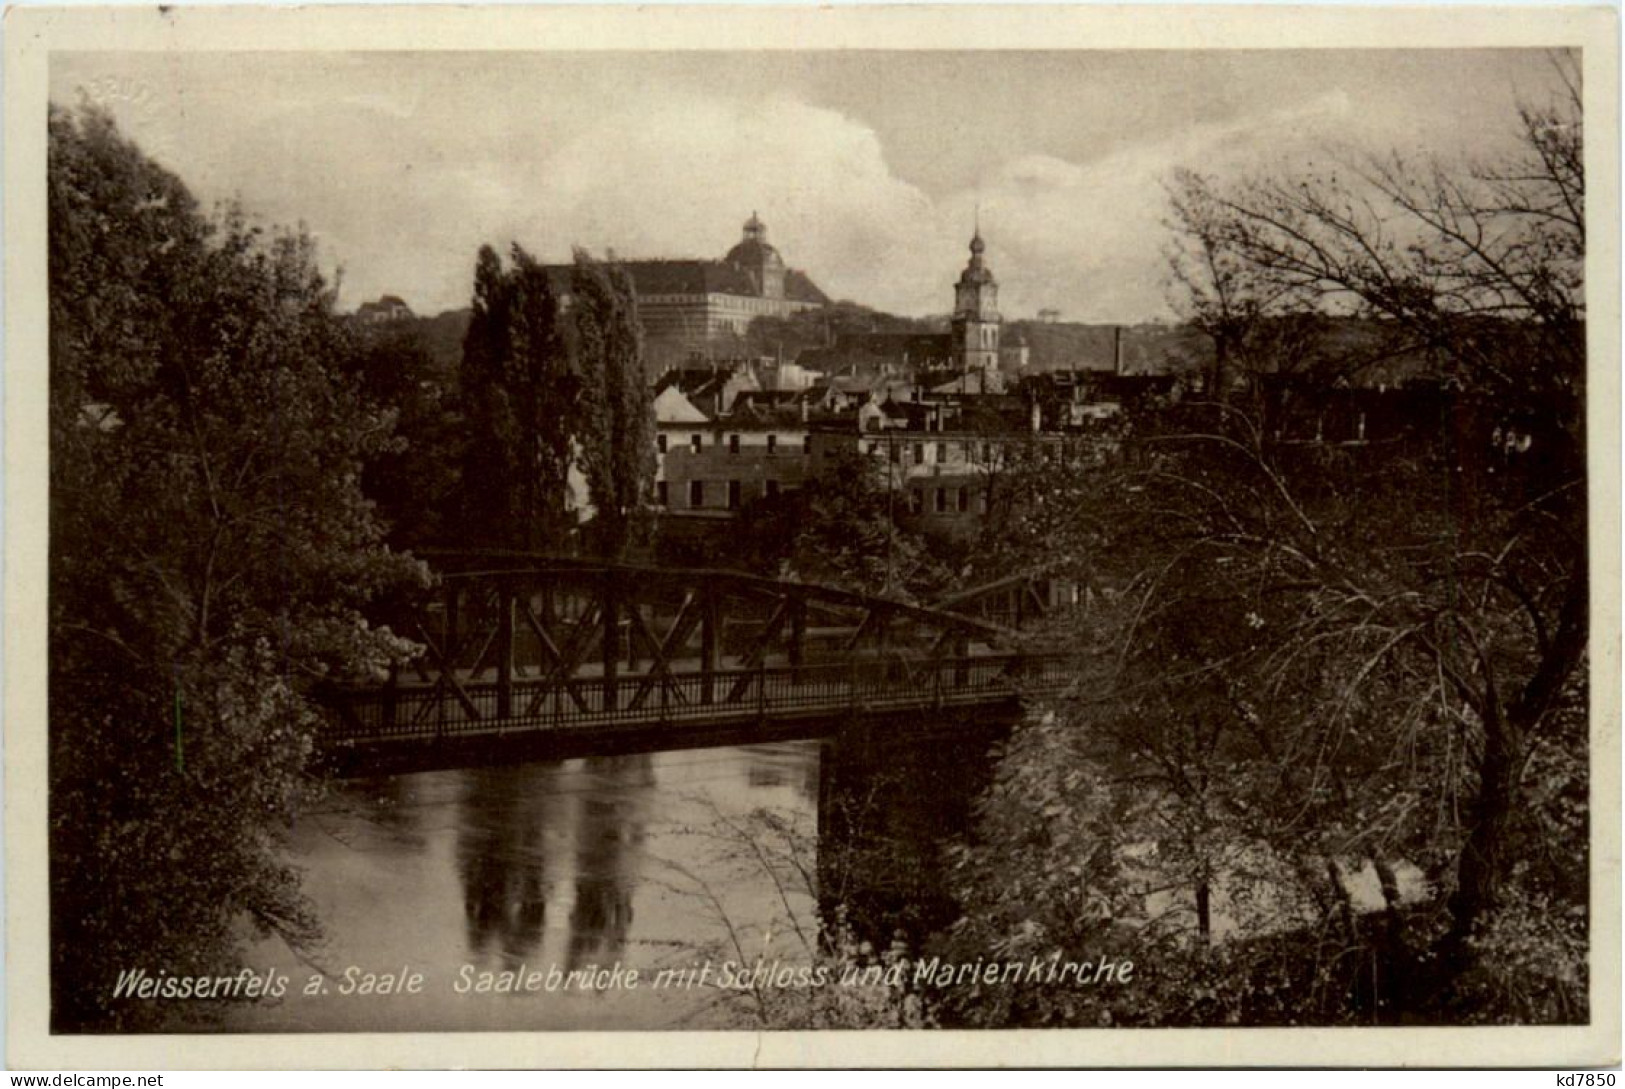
(1117, 349)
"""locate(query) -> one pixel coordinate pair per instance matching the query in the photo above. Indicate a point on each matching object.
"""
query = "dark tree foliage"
(416, 480)
(843, 528)
(616, 425)
(209, 551)
(520, 391)
(853, 531)
(551, 392)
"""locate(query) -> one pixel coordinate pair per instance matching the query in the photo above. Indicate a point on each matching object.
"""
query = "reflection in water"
(767, 767)
(385, 808)
(502, 858)
(608, 862)
(662, 860)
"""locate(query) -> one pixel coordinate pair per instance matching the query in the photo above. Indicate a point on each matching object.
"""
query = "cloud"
(674, 177)
(402, 178)
(1087, 239)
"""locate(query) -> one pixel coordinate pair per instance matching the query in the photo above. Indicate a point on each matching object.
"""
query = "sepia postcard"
(806, 537)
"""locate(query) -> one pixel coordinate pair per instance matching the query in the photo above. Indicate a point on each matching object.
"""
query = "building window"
(772, 445)
(733, 495)
(660, 443)
(660, 493)
(895, 453)
(916, 500)
(942, 453)
(696, 442)
(942, 500)
(733, 444)
(919, 453)
(806, 446)
(772, 489)
(963, 495)
(696, 494)
(987, 452)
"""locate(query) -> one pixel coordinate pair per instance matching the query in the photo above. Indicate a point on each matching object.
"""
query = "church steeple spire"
(976, 272)
(976, 310)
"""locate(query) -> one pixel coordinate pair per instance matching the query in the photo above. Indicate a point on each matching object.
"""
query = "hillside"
(1147, 349)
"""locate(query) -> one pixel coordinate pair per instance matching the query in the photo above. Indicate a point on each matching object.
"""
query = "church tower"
(976, 314)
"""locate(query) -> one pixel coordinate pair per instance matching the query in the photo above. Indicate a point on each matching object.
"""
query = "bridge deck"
(454, 708)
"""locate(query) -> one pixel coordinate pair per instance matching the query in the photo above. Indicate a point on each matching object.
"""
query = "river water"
(493, 884)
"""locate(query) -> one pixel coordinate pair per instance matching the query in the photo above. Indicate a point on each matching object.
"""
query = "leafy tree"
(415, 481)
(616, 429)
(852, 531)
(519, 390)
(210, 550)
(549, 391)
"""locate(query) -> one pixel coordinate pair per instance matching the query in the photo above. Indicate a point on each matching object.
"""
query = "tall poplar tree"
(616, 423)
(520, 396)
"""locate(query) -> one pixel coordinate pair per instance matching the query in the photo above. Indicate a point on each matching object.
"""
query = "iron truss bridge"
(522, 648)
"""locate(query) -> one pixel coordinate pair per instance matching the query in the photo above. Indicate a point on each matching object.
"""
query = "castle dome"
(753, 251)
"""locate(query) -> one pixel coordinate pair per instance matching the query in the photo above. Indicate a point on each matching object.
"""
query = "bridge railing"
(454, 709)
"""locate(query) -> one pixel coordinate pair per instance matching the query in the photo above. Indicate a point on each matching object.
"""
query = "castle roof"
(736, 274)
(753, 253)
(699, 277)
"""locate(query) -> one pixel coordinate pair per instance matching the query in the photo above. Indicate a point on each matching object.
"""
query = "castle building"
(696, 305)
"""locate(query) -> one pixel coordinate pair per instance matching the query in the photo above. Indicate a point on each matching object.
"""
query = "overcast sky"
(866, 167)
